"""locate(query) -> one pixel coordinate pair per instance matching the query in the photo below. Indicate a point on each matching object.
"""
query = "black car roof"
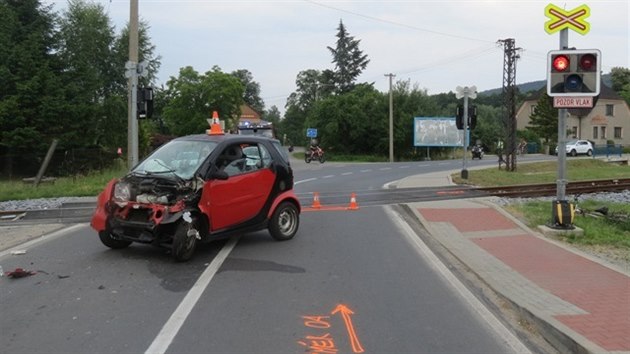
(227, 137)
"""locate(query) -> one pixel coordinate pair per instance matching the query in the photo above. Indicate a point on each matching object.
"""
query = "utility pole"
(132, 93)
(391, 118)
(509, 101)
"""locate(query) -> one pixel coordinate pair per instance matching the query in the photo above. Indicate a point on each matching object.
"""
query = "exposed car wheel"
(108, 240)
(284, 222)
(573, 152)
(185, 240)
(589, 153)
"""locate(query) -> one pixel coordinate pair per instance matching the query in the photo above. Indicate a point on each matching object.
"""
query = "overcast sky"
(436, 44)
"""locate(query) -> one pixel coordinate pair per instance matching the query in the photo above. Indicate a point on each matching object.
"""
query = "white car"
(578, 147)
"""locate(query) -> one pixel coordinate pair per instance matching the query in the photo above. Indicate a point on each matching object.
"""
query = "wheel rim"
(287, 221)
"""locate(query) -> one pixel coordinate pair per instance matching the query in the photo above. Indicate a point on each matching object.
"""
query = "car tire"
(108, 240)
(185, 243)
(589, 152)
(573, 152)
(284, 222)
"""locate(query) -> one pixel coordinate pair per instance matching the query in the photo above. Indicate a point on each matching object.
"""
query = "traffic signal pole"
(132, 75)
(561, 182)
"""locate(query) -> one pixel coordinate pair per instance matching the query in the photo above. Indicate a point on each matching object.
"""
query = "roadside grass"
(544, 172)
(76, 186)
(599, 232)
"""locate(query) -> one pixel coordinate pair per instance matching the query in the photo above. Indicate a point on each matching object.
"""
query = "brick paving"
(601, 293)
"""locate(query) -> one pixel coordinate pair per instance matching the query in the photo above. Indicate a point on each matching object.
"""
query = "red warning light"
(587, 62)
(560, 63)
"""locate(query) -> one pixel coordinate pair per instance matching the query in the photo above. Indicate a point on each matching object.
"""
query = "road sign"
(311, 133)
(560, 19)
(573, 102)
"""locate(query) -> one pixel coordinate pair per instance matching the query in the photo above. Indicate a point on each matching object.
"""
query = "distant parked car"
(578, 147)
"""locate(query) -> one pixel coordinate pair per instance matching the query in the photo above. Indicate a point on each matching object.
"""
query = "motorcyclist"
(314, 147)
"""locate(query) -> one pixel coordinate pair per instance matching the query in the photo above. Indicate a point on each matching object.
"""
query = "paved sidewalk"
(582, 305)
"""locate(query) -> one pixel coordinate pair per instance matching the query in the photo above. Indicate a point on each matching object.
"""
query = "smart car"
(200, 188)
(575, 147)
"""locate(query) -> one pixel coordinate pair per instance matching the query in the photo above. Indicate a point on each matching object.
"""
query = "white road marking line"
(406, 166)
(385, 168)
(424, 165)
(369, 170)
(329, 176)
(346, 173)
(172, 326)
(47, 237)
(305, 180)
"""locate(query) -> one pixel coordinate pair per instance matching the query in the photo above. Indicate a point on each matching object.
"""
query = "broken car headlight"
(122, 194)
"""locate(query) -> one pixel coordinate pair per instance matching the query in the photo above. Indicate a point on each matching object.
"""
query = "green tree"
(191, 98)
(87, 41)
(31, 93)
(352, 123)
(621, 82)
(251, 95)
(544, 121)
(349, 60)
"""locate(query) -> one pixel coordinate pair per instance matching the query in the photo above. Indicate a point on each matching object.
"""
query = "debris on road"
(19, 273)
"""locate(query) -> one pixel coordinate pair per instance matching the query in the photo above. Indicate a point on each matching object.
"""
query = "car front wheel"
(284, 222)
(185, 240)
(573, 152)
(108, 240)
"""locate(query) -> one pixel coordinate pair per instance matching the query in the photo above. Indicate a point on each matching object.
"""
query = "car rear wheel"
(108, 240)
(185, 240)
(284, 222)
(589, 152)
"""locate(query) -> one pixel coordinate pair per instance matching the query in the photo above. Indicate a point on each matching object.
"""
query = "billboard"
(437, 131)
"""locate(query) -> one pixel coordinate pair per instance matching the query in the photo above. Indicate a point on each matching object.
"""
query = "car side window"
(232, 160)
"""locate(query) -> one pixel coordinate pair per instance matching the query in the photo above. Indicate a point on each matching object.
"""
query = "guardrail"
(608, 150)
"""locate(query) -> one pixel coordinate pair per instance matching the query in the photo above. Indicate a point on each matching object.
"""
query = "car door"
(243, 194)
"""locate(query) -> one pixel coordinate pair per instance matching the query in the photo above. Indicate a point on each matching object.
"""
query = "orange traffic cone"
(215, 126)
(353, 202)
(316, 204)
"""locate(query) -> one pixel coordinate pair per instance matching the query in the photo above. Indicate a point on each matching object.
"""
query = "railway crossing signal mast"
(573, 81)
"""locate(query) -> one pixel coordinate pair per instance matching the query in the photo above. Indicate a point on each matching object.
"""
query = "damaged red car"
(200, 188)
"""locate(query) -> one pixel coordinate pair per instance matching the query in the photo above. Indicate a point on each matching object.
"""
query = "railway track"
(549, 189)
(81, 212)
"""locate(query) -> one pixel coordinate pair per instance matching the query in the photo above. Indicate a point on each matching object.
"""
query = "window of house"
(595, 130)
(610, 110)
(617, 132)
(603, 131)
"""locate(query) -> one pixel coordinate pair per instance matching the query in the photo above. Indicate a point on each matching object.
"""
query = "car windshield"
(180, 157)
(572, 142)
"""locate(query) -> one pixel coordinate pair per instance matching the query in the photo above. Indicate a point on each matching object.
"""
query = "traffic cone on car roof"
(353, 202)
(316, 204)
(215, 126)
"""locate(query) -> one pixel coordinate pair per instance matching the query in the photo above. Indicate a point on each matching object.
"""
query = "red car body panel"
(237, 199)
(99, 218)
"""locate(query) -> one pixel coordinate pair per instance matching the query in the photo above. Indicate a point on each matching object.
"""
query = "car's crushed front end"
(145, 209)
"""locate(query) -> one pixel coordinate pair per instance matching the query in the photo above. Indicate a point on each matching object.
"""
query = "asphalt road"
(350, 281)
